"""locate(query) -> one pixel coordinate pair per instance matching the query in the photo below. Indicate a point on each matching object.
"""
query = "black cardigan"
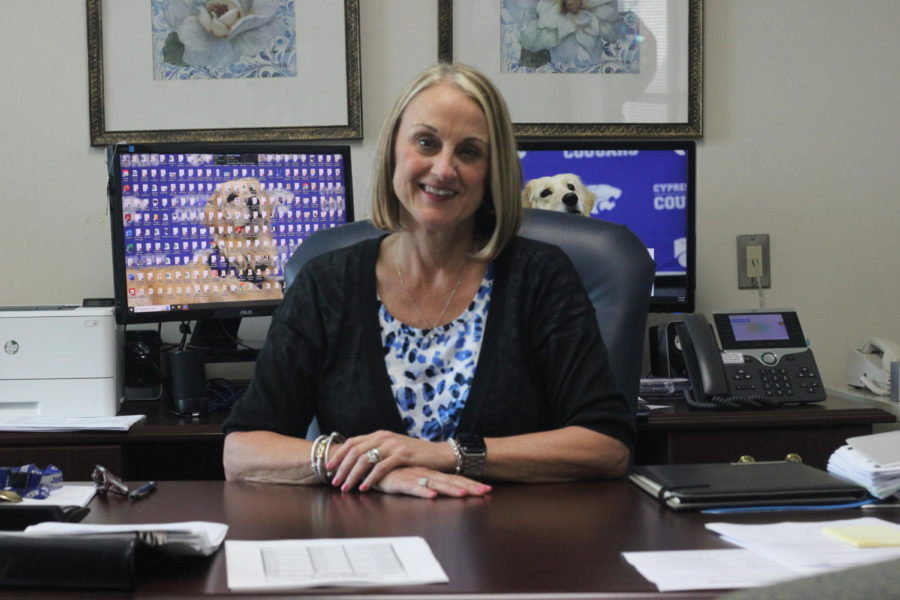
(542, 365)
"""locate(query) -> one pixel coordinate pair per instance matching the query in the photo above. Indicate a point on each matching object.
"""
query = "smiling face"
(442, 153)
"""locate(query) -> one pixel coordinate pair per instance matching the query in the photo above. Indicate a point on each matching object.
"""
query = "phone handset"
(710, 388)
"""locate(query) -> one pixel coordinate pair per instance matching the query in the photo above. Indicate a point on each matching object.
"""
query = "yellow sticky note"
(866, 536)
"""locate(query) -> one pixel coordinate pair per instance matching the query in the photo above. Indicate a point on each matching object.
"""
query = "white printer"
(59, 361)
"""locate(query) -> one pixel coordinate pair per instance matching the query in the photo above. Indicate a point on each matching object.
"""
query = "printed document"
(291, 564)
(681, 570)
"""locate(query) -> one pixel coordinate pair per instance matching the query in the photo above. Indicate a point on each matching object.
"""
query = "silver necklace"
(412, 301)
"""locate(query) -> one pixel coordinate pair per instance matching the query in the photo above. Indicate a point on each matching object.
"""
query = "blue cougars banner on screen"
(646, 190)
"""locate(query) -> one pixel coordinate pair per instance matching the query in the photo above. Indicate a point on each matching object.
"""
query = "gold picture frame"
(475, 24)
(118, 105)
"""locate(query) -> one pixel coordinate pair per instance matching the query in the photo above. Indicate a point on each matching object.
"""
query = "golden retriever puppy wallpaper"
(563, 192)
(228, 249)
(217, 228)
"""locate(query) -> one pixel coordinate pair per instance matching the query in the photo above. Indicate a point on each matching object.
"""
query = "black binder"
(68, 562)
(722, 485)
(16, 517)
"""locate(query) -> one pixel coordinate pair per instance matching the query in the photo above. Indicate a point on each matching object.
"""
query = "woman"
(449, 351)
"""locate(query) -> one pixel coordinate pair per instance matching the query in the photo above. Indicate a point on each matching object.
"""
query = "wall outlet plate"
(744, 243)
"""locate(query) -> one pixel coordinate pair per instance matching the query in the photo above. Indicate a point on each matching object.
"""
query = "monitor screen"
(203, 231)
(647, 186)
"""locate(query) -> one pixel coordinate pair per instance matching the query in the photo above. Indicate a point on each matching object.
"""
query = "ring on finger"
(373, 455)
(423, 481)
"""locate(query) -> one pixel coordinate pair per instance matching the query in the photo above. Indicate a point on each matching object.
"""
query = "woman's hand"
(364, 460)
(428, 483)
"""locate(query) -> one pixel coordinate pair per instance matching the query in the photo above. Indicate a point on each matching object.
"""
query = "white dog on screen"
(563, 192)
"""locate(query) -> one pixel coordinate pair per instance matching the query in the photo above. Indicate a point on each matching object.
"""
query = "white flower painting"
(223, 39)
(568, 36)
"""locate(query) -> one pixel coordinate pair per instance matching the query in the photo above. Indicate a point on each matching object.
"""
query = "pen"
(881, 505)
(143, 491)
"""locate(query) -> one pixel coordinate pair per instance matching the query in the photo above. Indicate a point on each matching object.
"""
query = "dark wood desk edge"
(137, 434)
(831, 412)
(696, 595)
(161, 425)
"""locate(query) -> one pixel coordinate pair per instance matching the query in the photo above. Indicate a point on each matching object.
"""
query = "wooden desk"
(680, 434)
(165, 446)
(552, 541)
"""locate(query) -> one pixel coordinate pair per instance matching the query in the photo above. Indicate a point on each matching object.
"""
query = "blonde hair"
(500, 215)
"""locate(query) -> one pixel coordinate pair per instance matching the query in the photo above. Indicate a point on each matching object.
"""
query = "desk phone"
(764, 360)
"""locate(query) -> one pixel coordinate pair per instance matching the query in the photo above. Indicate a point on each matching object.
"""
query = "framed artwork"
(585, 68)
(225, 71)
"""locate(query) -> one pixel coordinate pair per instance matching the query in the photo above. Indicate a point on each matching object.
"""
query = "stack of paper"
(872, 461)
(190, 538)
(122, 423)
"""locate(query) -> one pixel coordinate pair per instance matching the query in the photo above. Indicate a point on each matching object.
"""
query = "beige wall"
(801, 143)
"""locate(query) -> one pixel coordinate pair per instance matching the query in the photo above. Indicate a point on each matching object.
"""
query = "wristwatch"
(470, 454)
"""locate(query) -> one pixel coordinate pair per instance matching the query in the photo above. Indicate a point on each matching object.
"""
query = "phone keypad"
(795, 380)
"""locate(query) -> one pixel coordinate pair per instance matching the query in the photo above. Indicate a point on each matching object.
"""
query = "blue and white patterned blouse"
(432, 370)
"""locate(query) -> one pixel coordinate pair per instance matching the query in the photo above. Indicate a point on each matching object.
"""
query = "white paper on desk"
(883, 449)
(70, 494)
(880, 481)
(805, 547)
(123, 423)
(187, 538)
(680, 570)
(291, 564)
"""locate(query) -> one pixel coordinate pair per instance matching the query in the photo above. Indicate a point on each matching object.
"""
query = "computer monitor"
(201, 232)
(650, 187)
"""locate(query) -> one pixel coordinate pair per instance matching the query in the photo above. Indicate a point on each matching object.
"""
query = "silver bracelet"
(334, 438)
(315, 455)
(458, 454)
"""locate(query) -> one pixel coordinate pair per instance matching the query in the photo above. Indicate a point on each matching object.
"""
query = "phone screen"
(758, 328)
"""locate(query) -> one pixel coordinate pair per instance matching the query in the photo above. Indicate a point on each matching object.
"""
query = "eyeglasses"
(107, 481)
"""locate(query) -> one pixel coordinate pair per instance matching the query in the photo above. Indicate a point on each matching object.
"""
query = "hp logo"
(11, 347)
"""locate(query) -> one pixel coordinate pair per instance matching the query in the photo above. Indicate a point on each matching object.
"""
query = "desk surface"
(549, 541)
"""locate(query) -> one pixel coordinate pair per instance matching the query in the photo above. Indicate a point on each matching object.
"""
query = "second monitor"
(650, 187)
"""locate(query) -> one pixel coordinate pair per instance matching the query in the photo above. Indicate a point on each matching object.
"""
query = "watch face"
(471, 443)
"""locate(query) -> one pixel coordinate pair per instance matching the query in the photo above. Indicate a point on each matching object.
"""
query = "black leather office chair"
(613, 263)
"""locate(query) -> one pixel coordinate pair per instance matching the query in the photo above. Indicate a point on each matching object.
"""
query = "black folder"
(16, 517)
(723, 485)
(101, 562)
